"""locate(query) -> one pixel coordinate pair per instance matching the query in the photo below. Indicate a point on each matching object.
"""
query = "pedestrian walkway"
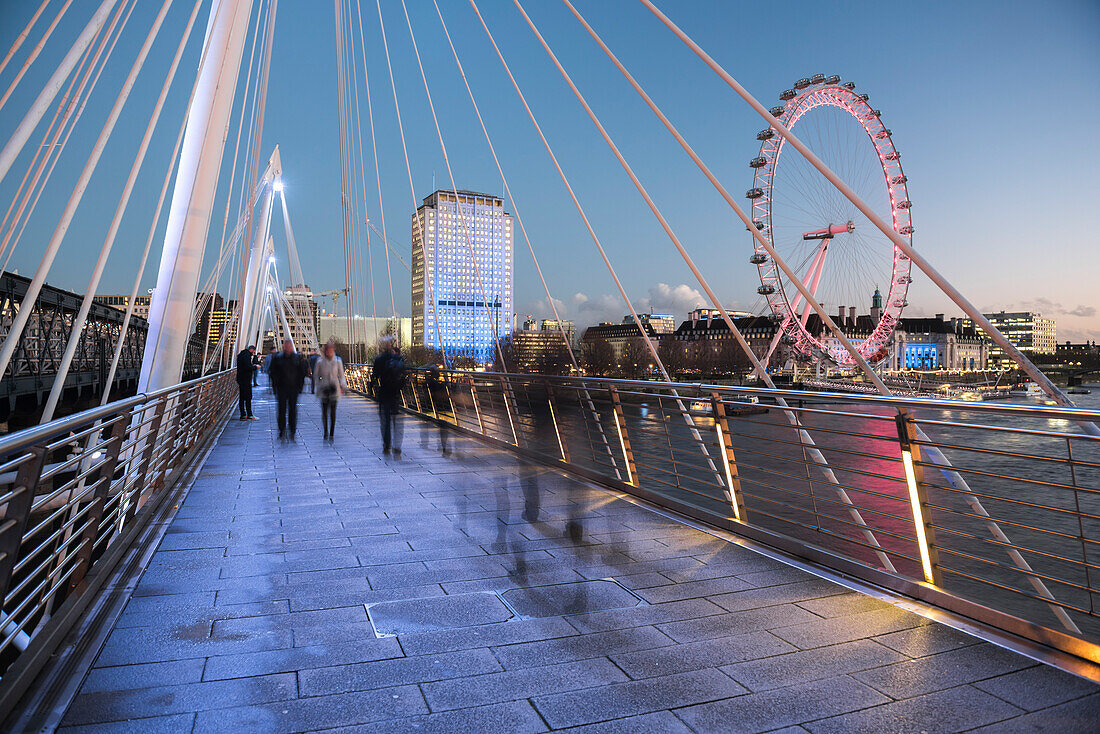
(320, 586)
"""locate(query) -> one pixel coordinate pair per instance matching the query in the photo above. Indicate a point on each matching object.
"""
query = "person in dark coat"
(246, 371)
(288, 374)
(387, 377)
(257, 365)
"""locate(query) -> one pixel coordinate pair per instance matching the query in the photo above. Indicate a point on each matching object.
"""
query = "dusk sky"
(993, 105)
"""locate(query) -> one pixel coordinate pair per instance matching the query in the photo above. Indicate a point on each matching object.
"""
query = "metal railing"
(990, 510)
(73, 494)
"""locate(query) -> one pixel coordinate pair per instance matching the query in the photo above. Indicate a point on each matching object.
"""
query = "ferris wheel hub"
(829, 232)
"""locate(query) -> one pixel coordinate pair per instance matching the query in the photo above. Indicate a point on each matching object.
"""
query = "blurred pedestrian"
(328, 371)
(313, 357)
(246, 373)
(387, 378)
(257, 364)
(437, 389)
(267, 367)
(288, 375)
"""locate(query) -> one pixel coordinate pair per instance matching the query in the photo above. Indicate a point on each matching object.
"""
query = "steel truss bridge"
(34, 365)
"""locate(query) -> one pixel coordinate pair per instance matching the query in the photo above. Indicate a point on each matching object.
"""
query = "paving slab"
(316, 585)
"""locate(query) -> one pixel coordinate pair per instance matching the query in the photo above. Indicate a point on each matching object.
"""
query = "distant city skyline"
(969, 91)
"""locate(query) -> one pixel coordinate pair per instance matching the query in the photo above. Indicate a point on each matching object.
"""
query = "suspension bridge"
(587, 551)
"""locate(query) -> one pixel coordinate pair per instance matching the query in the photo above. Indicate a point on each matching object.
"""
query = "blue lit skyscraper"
(471, 300)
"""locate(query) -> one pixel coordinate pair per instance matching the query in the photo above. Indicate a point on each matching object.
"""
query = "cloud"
(676, 300)
(586, 309)
(1047, 307)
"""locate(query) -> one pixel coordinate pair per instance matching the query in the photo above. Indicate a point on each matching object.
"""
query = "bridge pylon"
(173, 301)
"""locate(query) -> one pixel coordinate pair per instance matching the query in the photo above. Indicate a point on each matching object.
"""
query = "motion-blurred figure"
(328, 374)
(438, 390)
(246, 374)
(288, 375)
(387, 377)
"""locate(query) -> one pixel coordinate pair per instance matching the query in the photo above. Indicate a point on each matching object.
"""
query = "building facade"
(462, 274)
(363, 329)
(122, 302)
(539, 347)
(937, 344)
(303, 317)
(1027, 330)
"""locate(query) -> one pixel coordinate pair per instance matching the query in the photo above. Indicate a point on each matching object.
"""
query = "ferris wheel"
(839, 254)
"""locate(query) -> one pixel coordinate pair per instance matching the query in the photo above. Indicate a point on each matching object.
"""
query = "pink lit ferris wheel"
(840, 255)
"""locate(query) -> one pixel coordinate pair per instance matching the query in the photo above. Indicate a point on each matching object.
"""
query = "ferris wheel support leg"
(192, 199)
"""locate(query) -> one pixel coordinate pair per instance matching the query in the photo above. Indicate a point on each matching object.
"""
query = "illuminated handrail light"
(915, 498)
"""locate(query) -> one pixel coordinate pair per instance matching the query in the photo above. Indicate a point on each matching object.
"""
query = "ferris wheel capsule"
(765, 134)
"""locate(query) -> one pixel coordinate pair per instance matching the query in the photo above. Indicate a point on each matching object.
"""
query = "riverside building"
(462, 277)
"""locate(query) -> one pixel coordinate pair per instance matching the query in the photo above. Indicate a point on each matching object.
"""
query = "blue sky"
(994, 106)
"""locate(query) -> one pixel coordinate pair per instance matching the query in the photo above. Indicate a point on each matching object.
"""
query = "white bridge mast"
(173, 300)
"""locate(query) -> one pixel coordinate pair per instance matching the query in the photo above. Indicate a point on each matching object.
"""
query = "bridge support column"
(173, 300)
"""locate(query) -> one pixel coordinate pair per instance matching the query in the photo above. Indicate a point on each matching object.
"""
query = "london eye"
(839, 254)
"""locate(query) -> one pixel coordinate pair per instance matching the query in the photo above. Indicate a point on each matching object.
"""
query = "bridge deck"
(319, 586)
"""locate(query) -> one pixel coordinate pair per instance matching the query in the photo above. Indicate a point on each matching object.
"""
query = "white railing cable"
(459, 211)
(76, 332)
(377, 174)
(38, 108)
(35, 287)
(15, 46)
(430, 295)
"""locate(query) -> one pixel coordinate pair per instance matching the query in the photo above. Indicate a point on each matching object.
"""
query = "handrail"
(900, 486)
(77, 493)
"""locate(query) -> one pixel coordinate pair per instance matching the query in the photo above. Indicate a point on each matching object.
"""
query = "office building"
(462, 276)
(122, 302)
(302, 317)
(539, 347)
(1027, 330)
(363, 329)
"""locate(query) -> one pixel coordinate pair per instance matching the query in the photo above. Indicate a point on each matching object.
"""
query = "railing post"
(554, 420)
(151, 436)
(416, 395)
(729, 461)
(506, 395)
(450, 401)
(477, 406)
(918, 498)
(624, 438)
(16, 514)
(116, 436)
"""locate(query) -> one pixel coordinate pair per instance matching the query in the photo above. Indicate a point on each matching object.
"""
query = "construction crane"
(334, 294)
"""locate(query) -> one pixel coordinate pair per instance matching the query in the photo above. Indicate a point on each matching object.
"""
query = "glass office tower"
(466, 281)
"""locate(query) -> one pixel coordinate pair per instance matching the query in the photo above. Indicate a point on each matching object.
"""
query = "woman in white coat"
(328, 374)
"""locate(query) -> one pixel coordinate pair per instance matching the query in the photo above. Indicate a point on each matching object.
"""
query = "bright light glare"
(272, 259)
(918, 515)
(279, 186)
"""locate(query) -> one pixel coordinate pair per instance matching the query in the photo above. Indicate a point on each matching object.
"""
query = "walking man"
(313, 359)
(288, 374)
(246, 371)
(257, 363)
(387, 378)
(328, 374)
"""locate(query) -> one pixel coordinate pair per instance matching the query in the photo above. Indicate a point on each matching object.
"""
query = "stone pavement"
(316, 587)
